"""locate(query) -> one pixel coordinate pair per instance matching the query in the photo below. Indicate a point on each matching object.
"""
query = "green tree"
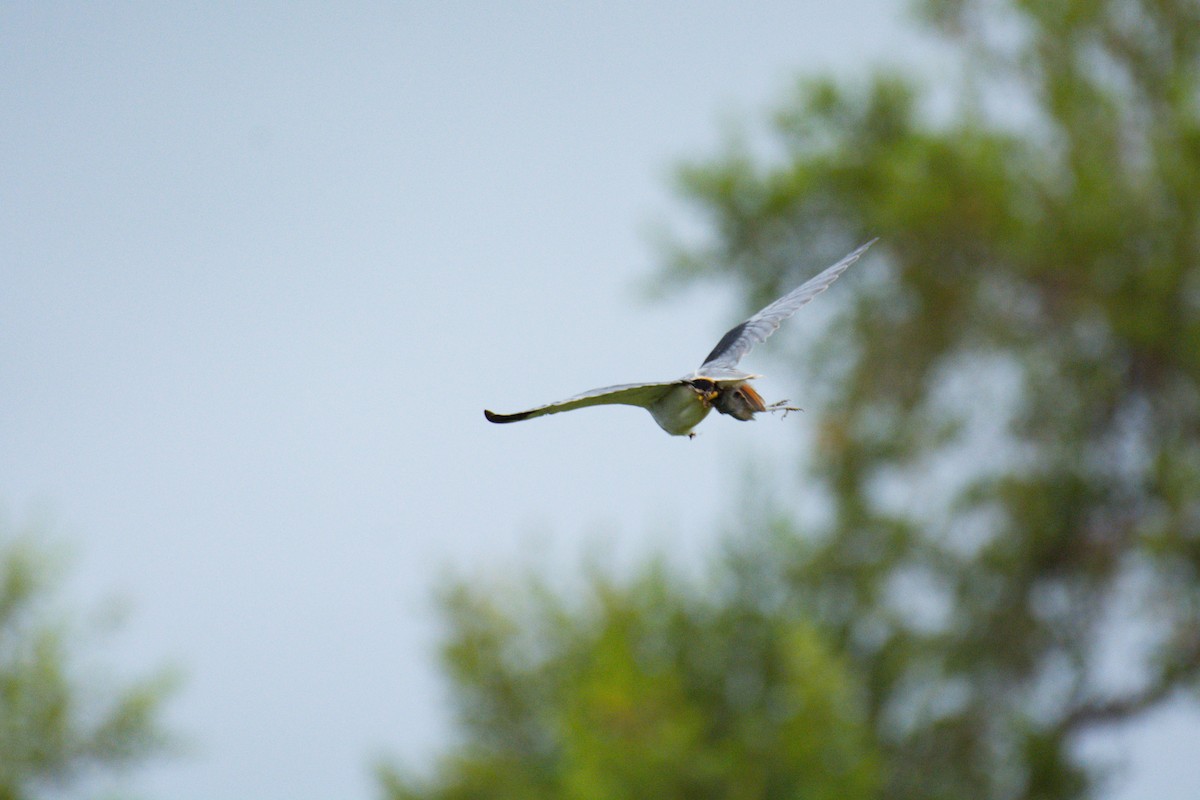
(1007, 415)
(58, 723)
(1011, 404)
(647, 689)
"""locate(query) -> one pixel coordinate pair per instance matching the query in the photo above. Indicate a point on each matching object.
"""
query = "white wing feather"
(741, 339)
(643, 395)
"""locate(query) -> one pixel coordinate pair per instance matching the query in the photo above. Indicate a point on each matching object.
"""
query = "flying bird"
(678, 406)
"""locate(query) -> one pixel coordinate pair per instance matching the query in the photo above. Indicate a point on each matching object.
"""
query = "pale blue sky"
(263, 266)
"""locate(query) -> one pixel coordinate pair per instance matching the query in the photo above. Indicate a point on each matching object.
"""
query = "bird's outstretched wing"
(739, 340)
(629, 394)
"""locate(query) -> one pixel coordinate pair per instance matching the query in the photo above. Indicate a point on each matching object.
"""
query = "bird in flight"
(678, 406)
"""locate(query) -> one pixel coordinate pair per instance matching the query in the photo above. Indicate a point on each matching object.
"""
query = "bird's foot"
(783, 406)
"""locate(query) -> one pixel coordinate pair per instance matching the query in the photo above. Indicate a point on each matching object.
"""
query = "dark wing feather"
(741, 339)
(630, 394)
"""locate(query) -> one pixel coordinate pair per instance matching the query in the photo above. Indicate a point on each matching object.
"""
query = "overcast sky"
(262, 267)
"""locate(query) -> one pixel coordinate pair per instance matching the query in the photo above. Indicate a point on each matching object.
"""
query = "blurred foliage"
(59, 722)
(648, 689)
(1008, 434)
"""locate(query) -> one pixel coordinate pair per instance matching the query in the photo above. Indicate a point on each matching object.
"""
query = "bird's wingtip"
(492, 416)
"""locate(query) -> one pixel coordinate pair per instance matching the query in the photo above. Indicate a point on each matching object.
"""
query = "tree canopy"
(60, 721)
(1008, 435)
(647, 689)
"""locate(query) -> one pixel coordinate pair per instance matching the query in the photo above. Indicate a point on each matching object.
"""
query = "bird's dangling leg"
(783, 406)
